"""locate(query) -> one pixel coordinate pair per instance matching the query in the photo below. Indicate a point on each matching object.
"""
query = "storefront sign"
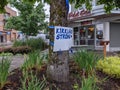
(86, 23)
(77, 14)
(63, 39)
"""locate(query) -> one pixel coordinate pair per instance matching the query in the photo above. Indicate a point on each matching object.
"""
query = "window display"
(84, 35)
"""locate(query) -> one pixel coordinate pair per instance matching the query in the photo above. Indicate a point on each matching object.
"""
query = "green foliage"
(31, 82)
(6, 54)
(2, 5)
(79, 3)
(33, 43)
(76, 87)
(34, 59)
(110, 65)
(86, 60)
(4, 67)
(110, 4)
(88, 83)
(31, 18)
(19, 43)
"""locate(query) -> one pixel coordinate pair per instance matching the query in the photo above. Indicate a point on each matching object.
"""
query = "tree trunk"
(58, 69)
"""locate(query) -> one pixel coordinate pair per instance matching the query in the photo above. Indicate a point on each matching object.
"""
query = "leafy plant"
(33, 59)
(88, 83)
(31, 82)
(6, 54)
(86, 60)
(76, 87)
(33, 43)
(110, 65)
(4, 68)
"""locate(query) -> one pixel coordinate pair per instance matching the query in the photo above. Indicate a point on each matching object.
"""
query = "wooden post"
(104, 43)
(104, 51)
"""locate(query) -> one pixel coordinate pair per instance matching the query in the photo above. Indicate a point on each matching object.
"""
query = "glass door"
(76, 36)
(83, 32)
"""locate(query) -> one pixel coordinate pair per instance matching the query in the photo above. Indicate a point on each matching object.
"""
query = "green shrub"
(4, 67)
(86, 60)
(31, 82)
(6, 54)
(33, 43)
(110, 65)
(19, 43)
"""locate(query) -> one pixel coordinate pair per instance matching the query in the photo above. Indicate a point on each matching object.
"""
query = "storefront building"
(92, 27)
(7, 35)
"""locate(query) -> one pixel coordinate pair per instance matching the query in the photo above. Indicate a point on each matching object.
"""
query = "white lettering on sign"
(63, 38)
(77, 14)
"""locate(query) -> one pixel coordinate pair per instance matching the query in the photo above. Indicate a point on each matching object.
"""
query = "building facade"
(92, 27)
(7, 35)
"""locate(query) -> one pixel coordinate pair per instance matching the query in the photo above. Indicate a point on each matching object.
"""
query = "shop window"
(99, 34)
(84, 35)
(91, 35)
(76, 36)
(83, 31)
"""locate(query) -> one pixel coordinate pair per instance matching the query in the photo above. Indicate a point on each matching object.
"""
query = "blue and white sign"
(63, 39)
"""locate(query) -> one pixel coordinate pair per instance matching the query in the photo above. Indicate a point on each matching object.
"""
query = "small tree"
(31, 18)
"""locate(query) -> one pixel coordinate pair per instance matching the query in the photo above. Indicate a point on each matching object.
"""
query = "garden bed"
(106, 82)
(35, 65)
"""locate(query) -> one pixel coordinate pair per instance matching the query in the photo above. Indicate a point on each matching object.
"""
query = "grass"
(4, 68)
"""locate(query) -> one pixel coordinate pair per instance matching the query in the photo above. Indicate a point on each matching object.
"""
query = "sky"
(47, 9)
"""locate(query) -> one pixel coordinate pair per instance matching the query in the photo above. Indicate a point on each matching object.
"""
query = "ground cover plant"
(110, 66)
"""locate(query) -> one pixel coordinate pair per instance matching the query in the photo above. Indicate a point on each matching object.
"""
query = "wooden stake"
(104, 51)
